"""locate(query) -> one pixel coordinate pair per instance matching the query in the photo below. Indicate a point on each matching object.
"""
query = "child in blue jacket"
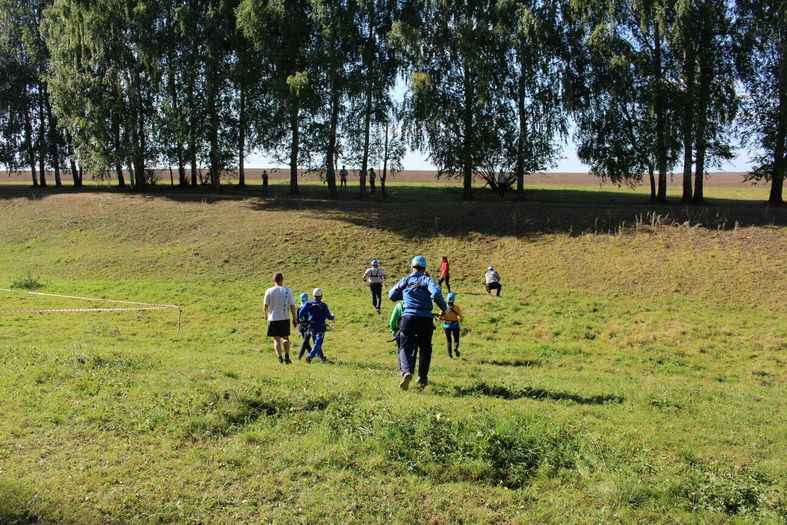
(315, 313)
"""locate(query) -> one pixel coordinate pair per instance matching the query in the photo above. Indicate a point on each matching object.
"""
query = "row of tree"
(126, 86)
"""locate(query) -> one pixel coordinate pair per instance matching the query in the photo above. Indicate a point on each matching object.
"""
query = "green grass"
(633, 371)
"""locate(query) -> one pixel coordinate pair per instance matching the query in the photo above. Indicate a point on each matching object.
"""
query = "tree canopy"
(128, 87)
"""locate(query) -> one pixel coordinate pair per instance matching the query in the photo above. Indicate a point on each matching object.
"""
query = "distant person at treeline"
(303, 327)
(372, 178)
(343, 178)
(315, 313)
(418, 291)
(492, 280)
(264, 182)
(278, 304)
(445, 274)
(375, 276)
(451, 328)
(502, 180)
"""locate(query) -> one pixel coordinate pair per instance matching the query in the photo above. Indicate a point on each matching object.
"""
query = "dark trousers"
(501, 190)
(371, 185)
(343, 183)
(449, 334)
(447, 280)
(377, 294)
(306, 346)
(494, 286)
(265, 187)
(415, 333)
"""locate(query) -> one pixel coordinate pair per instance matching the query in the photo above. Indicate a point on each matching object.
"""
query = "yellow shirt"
(452, 315)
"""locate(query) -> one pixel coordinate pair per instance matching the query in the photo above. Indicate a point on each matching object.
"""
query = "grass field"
(632, 371)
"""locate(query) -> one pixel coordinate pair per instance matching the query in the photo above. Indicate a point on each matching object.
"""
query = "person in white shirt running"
(278, 306)
(375, 276)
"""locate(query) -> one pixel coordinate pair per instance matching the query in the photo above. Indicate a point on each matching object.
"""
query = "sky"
(415, 160)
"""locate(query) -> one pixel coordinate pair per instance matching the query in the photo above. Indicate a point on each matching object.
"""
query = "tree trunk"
(294, 145)
(41, 141)
(661, 143)
(653, 194)
(367, 124)
(520, 106)
(779, 160)
(384, 175)
(213, 125)
(330, 154)
(242, 136)
(687, 126)
(72, 163)
(31, 152)
(192, 131)
(138, 134)
(118, 148)
(467, 139)
(173, 86)
(54, 149)
(706, 75)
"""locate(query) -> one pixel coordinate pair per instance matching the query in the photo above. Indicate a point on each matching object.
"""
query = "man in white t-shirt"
(278, 306)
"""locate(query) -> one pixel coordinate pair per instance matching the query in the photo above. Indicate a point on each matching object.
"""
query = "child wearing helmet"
(492, 280)
(303, 327)
(375, 276)
(451, 319)
(315, 313)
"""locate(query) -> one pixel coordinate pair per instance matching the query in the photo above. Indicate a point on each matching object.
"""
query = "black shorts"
(279, 328)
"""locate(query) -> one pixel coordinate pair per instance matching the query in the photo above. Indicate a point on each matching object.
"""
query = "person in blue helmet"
(417, 291)
(315, 313)
(451, 327)
(303, 327)
(374, 277)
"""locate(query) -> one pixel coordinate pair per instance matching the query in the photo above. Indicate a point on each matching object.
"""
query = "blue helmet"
(375, 262)
(304, 296)
(419, 261)
(450, 297)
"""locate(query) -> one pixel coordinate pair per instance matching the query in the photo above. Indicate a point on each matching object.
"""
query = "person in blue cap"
(417, 291)
(374, 277)
(303, 327)
(315, 313)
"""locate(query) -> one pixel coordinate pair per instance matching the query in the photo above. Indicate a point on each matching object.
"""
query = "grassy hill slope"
(633, 370)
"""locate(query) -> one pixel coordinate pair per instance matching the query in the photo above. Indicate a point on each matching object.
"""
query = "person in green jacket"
(393, 324)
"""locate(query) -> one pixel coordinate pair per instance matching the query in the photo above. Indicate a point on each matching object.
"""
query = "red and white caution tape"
(68, 310)
(139, 306)
(90, 298)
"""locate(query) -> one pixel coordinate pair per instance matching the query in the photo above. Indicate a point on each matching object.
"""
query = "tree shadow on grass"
(415, 212)
(538, 394)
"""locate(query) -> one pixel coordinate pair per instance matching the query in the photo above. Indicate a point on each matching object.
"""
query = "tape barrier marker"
(140, 307)
(89, 298)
